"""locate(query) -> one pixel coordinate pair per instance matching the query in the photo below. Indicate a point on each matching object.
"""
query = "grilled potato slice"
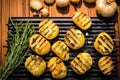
(61, 50)
(39, 44)
(82, 20)
(74, 38)
(48, 29)
(82, 63)
(106, 65)
(57, 68)
(35, 65)
(104, 43)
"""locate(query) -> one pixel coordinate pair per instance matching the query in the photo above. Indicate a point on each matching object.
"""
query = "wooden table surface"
(21, 8)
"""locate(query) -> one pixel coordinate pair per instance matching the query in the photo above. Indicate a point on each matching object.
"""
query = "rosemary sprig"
(18, 48)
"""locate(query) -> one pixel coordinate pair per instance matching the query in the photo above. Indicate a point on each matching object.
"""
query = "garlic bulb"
(106, 8)
(35, 4)
(44, 12)
(62, 3)
(90, 1)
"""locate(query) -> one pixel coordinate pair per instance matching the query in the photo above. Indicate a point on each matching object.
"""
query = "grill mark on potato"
(34, 39)
(107, 62)
(106, 48)
(105, 41)
(108, 72)
(74, 35)
(85, 60)
(103, 59)
(86, 23)
(70, 36)
(41, 38)
(75, 68)
(42, 26)
(67, 38)
(77, 16)
(79, 65)
(51, 26)
(45, 26)
(108, 39)
(86, 65)
(43, 22)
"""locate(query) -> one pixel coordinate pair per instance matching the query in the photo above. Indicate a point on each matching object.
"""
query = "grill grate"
(98, 25)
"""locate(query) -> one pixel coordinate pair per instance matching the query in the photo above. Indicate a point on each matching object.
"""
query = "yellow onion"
(35, 4)
(62, 3)
(106, 8)
(90, 1)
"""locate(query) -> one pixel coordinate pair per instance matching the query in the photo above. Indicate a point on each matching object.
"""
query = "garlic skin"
(106, 8)
(62, 3)
(90, 1)
(44, 12)
(35, 4)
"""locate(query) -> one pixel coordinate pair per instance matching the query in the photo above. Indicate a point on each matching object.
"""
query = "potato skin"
(39, 44)
(57, 68)
(104, 43)
(83, 21)
(74, 38)
(48, 29)
(35, 65)
(61, 50)
(106, 65)
(82, 63)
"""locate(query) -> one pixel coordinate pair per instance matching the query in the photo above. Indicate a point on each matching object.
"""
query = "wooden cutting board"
(21, 8)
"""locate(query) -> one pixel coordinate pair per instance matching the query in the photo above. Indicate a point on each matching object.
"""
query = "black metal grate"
(98, 25)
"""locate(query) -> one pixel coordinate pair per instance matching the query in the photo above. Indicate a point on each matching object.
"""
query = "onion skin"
(90, 1)
(62, 3)
(106, 8)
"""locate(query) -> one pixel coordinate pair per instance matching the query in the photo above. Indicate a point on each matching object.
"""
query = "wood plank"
(55, 11)
(0, 31)
(19, 8)
(13, 8)
(5, 15)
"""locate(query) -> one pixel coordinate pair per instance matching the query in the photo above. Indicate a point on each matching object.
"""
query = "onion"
(90, 1)
(106, 8)
(75, 1)
(49, 1)
(44, 12)
(62, 3)
(35, 4)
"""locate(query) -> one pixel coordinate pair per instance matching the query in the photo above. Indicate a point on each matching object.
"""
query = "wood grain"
(0, 32)
(21, 8)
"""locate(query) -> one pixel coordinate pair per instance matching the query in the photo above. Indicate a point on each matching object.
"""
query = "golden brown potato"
(106, 65)
(35, 65)
(74, 38)
(61, 50)
(104, 43)
(82, 63)
(82, 20)
(48, 29)
(57, 68)
(39, 44)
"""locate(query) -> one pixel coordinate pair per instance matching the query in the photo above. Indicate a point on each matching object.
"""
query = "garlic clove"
(44, 12)
(35, 4)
